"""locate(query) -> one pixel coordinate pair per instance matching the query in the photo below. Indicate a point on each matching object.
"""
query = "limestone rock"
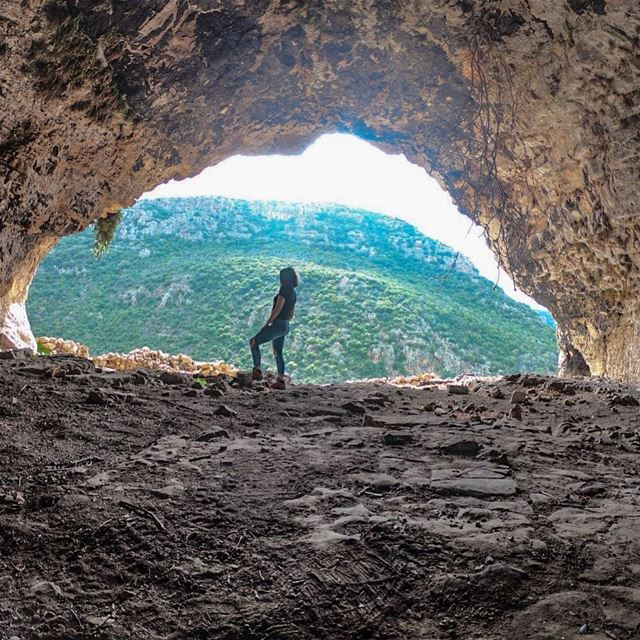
(467, 447)
(15, 332)
(397, 439)
(458, 389)
(475, 481)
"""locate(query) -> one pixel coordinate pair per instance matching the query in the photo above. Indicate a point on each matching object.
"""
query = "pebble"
(538, 546)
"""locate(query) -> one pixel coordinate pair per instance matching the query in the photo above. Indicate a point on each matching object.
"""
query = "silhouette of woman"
(277, 326)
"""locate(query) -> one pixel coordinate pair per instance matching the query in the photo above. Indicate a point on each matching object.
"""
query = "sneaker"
(256, 374)
(278, 384)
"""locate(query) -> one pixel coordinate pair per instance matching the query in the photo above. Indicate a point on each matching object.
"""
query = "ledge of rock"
(526, 112)
(142, 357)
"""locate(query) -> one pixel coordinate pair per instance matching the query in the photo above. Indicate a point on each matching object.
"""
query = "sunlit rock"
(16, 331)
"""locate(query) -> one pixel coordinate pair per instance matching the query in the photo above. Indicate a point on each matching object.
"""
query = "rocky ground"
(150, 505)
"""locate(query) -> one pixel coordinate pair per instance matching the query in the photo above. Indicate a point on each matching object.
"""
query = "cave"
(525, 111)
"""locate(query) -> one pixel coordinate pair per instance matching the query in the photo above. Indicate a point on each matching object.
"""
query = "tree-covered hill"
(376, 298)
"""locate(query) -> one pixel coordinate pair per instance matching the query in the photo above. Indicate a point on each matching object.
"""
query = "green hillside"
(376, 298)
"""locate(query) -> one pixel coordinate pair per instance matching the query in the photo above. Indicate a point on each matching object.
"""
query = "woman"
(277, 326)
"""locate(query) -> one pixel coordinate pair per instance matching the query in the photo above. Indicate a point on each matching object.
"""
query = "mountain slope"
(376, 297)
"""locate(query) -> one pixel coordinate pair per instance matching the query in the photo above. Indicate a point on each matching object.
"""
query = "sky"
(342, 169)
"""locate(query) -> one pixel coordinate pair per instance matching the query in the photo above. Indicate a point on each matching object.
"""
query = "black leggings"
(274, 333)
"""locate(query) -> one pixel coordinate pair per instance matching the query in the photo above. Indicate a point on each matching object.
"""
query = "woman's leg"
(255, 352)
(278, 347)
(266, 334)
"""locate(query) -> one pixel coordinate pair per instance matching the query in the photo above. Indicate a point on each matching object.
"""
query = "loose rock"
(458, 389)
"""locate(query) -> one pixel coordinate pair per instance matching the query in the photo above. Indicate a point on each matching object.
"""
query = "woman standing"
(277, 326)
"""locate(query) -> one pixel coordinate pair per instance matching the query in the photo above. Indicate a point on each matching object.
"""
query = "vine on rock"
(494, 93)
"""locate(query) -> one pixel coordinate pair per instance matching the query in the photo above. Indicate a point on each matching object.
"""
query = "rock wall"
(525, 110)
(142, 357)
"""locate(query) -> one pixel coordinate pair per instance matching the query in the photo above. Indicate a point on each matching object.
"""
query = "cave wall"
(527, 111)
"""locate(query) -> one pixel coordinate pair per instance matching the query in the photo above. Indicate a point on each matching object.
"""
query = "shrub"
(104, 232)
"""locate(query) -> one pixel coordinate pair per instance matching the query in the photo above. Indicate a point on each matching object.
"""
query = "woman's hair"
(289, 277)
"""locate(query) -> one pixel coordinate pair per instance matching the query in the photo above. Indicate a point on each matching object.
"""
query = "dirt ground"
(140, 505)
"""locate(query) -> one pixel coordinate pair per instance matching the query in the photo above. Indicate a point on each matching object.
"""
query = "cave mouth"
(525, 114)
(379, 298)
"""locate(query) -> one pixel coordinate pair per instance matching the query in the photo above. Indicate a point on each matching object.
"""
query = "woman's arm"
(277, 308)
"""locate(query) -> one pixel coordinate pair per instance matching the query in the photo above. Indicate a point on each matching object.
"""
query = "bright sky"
(340, 168)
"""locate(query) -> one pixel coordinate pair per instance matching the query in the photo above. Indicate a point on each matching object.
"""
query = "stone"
(530, 380)
(466, 447)
(476, 481)
(391, 421)
(625, 400)
(213, 392)
(96, 397)
(103, 396)
(378, 399)
(354, 407)
(458, 389)
(377, 481)
(58, 346)
(326, 412)
(562, 386)
(171, 377)
(396, 439)
(538, 546)
(225, 411)
(517, 397)
(46, 587)
(17, 354)
(493, 454)
(13, 501)
(171, 490)
(516, 412)
(212, 435)
(325, 536)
